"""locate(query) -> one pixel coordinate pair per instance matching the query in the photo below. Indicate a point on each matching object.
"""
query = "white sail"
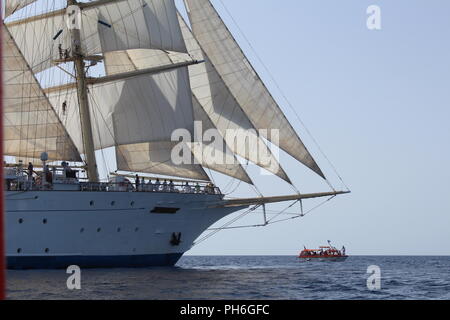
(30, 124)
(146, 108)
(224, 110)
(126, 61)
(242, 80)
(214, 97)
(108, 26)
(219, 157)
(155, 158)
(12, 6)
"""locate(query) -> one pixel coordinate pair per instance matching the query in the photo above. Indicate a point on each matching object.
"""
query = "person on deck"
(149, 186)
(61, 51)
(30, 171)
(64, 108)
(138, 183)
(171, 186)
(165, 186)
(157, 185)
(187, 188)
(48, 175)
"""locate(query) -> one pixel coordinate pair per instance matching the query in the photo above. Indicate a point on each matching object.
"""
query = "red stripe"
(2, 233)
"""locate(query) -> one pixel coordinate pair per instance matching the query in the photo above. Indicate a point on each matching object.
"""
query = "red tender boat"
(325, 253)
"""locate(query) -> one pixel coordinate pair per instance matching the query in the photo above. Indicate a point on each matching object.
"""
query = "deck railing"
(194, 188)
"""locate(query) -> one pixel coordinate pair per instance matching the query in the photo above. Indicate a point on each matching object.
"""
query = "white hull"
(55, 229)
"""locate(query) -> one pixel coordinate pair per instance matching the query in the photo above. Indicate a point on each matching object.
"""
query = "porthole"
(113, 203)
(99, 229)
(19, 250)
(91, 203)
(20, 220)
(47, 250)
(81, 230)
(132, 203)
(136, 230)
(118, 229)
(134, 250)
(44, 221)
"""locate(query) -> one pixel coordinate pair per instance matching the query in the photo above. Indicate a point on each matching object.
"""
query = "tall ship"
(126, 86)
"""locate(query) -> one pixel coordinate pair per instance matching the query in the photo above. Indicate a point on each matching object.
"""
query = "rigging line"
(40, 43)
(187, 82)
(211, 176)
(170, 82)
(274, 212)
(245, 213)
(283, 211)
(238, 217)
(82, 131)
(285, 98)
(296, 216)
(116, 142)
(239, 227)
(230, 95)
(68, 91)
(230, 184)
(25, 125)
(51, 74)
(109, 130)
(238, 105)
(306, 213)
(67, 72)
(149, 168)
(99, 135)
(62, 95)
(225, 225)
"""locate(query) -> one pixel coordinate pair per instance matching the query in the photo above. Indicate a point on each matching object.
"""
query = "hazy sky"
(378, 104)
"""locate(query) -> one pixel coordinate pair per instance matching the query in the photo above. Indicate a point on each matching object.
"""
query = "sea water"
(242, 278)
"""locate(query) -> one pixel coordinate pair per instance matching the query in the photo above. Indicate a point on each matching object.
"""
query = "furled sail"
(125, 61)
(30, 124)
(12, 6)
(224, 111)
(105, 26)
(242, 80)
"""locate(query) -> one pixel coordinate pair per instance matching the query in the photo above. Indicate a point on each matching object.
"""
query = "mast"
(2, 209)
(85, 116)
